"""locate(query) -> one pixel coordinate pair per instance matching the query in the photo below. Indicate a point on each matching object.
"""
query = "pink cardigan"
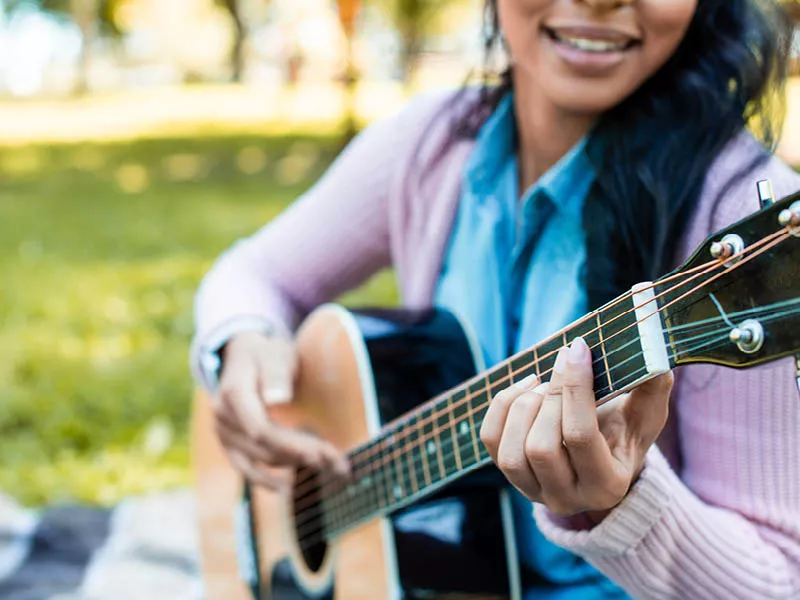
(723, 522)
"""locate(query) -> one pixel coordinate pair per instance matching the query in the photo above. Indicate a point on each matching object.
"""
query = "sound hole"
(309, 518)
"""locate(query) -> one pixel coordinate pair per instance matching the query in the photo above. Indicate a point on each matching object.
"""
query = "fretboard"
(440, 441)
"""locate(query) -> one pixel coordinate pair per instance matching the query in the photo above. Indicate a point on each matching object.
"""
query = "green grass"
(101, 249)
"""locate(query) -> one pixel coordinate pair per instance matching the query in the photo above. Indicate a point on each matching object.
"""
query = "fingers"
(239, 399)
(280, 447)
(588, 450)
(255, 475)
(647, 407)
(277, 366)
(255, 368)
(511, 458)
(495, 419)
(544, 450)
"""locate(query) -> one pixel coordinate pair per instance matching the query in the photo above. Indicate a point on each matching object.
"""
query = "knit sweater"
(716, 511)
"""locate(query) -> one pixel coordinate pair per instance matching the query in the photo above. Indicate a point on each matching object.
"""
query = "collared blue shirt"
(512, 272)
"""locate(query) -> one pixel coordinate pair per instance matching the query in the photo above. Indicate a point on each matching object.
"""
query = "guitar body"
(357, 372)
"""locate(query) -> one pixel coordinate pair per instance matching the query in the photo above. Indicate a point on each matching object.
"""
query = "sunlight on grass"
(102, 246)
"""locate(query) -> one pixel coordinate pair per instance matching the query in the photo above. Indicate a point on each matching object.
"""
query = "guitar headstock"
(736, 301)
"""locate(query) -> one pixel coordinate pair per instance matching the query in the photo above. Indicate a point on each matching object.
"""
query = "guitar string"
(456, 446)
(708, 268)
(366, 452)
(309, 539)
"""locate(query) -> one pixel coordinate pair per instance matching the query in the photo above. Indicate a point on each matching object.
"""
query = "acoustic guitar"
(404, 394)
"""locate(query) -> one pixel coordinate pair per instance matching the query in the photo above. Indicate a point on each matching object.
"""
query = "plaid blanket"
(146, 548)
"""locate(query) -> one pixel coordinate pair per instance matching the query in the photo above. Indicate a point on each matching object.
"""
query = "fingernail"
(561, 360)
(527, 382)
(578, 351)
(278, 395)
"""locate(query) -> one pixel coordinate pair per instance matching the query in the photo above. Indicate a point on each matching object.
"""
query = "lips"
(591, 39)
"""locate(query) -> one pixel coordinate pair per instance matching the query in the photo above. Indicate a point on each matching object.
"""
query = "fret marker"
(431, 448)
(463, 429)
(398, 492)
(366, 481)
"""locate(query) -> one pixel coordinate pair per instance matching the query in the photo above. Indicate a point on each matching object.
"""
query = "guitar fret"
(547, 353)
(456, 448)
(387, 476)
(603, 351)
(425, 430)
(445, 446)
(498, 379)
(623, 347)
(524, 365)
(409, 448)
(478, 394)
(462, 423)
(400, 487)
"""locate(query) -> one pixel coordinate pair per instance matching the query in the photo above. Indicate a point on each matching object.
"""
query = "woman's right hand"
(258, 370)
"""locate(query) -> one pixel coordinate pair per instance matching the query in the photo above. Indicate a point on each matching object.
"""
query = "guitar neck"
(439, 442)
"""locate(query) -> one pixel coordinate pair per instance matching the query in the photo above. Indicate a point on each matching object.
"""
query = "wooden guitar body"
(357, 372)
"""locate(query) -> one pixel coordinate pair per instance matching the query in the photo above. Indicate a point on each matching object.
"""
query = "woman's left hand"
(556, 447)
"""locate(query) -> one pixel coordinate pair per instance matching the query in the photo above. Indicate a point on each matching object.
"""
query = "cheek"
(520, 21)
(665, 24)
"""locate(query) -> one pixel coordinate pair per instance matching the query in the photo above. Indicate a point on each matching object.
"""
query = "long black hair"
(651, 152)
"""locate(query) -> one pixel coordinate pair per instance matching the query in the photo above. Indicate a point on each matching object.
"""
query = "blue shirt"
(512, 272)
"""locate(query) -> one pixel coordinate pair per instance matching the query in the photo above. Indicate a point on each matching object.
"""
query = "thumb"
(648, 405)
(277, 366)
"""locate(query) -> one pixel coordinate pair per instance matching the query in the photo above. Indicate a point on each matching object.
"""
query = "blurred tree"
(91, 17)
(239, 37)
(348, 16)
(414, 21)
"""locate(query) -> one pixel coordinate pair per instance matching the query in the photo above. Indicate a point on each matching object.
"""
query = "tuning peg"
(766, 195)
(791, 216)
(749, 336)
(728, 246)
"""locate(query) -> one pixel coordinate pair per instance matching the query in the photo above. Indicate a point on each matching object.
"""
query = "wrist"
(595, 517)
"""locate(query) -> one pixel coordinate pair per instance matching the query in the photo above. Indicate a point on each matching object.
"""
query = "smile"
(592, 42)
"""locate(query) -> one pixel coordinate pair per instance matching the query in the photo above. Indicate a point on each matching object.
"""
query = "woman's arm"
(328, 241)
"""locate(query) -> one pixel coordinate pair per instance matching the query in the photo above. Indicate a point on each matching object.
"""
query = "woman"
(610, 148)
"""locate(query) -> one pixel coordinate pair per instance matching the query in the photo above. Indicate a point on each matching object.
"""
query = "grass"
(102, 246)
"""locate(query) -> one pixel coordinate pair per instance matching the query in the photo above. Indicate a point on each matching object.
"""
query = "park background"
(138, 140)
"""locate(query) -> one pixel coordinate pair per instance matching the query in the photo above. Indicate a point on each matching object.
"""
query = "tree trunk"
(239, 40)
(85, 14)
(410, 17)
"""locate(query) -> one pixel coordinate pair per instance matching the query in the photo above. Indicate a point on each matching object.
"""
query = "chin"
(593, 97)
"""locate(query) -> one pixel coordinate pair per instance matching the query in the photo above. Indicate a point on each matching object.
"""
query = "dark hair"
(652, 151)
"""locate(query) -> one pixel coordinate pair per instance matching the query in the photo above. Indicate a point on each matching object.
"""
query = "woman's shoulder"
(731, 181)
(428, 119)
(730, 192)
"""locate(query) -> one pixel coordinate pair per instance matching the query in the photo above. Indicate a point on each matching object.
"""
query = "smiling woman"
(587, 62)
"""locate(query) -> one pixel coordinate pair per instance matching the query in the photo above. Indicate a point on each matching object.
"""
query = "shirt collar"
(495, 145)
(566, 183)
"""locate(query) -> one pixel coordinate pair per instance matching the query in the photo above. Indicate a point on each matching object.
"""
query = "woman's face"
(587, 56)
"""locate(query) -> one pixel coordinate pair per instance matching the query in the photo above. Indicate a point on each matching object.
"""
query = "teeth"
(592, 45)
